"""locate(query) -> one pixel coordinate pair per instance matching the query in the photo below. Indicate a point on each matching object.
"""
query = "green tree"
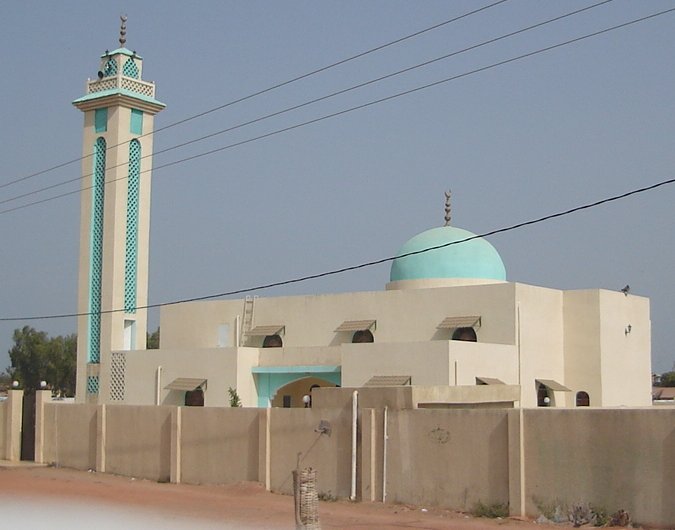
(667, 379)
(35, 357)
(152, 340)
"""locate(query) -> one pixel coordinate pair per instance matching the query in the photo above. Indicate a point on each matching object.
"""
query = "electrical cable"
(268, 89)
(352, 109)
(316, 100)
(362, 265)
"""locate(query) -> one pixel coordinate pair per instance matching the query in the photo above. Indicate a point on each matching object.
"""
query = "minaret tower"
(119, 109)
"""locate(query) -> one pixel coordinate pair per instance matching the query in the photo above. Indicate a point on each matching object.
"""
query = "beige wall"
(448, 458)
(541, 338)
(612, 459)
(402, 316)
(221, 367)
(138, 441)
(70, 434)
(292, 431)
(219, 445)
(583, 360)
(3, 428)
(11, 426)
(626, 356)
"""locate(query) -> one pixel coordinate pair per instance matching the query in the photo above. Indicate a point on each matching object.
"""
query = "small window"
(194, 398)
(129, 334)
(287, 402)
(583, 399)
(272, 341)
(465, 334)
(543, 397)
(101, 120)
(363, 335)
(136, 122)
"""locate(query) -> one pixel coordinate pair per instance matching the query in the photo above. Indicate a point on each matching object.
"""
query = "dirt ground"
(66, 498)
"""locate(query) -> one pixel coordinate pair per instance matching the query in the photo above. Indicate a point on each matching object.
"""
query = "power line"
(322, 98)
(366, 264)
(268, 89)
(357, 107)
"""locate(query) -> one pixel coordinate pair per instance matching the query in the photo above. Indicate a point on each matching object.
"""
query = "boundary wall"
(533, 460)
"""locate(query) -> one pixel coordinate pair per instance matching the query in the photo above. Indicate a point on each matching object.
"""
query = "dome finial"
(123, 30)
(448, 217)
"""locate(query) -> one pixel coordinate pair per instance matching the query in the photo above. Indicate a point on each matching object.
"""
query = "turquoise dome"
(476, 259)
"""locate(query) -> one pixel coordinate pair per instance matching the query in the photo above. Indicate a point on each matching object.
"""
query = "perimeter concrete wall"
(3, 428)
(612, 459)
(534, 460)
(70, 435)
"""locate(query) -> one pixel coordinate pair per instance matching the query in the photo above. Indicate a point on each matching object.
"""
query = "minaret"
(119, 109)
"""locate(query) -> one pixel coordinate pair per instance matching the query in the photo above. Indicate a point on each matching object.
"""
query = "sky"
(532, 137)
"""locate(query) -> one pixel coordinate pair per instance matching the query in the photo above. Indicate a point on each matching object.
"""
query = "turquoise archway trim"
(269, 379)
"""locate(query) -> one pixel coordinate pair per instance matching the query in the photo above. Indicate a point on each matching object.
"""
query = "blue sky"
(516, 142)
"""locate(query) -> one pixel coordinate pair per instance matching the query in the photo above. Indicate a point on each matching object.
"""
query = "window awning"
(389, 380)
(488, 381)
(553, 385)
(356, 325)
(264, 331)
(472, 321)
(186, 384)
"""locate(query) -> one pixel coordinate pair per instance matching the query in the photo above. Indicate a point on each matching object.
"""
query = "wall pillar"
(100, 438)
(371, 470)
(176, 440)
(516, 446)
(264, 456)
(41, 397)
(14, 412)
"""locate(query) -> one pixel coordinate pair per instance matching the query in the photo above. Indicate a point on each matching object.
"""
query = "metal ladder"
(247, 320)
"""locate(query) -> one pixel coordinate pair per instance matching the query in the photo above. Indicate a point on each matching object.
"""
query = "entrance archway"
(292, 394)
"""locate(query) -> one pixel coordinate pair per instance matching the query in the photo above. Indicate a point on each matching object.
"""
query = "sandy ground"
(34, 497)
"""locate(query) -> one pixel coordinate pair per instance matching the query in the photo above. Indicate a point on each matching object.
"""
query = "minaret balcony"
(143, 88)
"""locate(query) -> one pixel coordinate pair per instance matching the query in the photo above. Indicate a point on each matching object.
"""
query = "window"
(136, 124)
(194, 398)
(583, 399)
(543, 397)
(272, 341)
(363, 335)
(465, 334)
(223, 335)
(129, 334)
(101, 120)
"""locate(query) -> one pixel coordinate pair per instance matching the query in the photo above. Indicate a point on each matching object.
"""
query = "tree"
(152, 340)
(35, 357)
(667, 379)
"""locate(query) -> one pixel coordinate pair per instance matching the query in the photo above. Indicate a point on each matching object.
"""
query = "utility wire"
(358, 107)
(268, 89)
(316, 100)
(366, 264)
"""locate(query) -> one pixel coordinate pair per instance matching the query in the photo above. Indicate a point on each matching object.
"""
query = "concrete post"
(41, 397)
(13, 419)
(264, 449)
(370, 456)
(516, 447)
(176, 436)
(100, 438)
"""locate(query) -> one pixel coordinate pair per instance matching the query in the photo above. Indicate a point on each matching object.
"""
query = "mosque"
(448, 324)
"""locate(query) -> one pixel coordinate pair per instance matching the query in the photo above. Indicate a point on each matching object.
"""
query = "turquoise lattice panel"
(130, 69)
(110, 68)
(131, 256)
(92, 384)
(96, 257)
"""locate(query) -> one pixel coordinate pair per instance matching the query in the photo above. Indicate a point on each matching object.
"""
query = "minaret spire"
(123, 31)
(448, 217)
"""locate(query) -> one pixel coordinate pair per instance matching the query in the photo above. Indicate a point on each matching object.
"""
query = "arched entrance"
(292, 394)
(295, 381)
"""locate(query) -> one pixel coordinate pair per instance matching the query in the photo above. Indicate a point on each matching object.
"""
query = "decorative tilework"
(131, 257)
(96, 252)
(130, 69)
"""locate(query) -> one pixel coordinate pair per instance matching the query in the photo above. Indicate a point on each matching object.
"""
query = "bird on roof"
(626, 290)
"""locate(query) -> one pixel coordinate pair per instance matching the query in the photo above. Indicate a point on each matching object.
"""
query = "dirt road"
(35, 497)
